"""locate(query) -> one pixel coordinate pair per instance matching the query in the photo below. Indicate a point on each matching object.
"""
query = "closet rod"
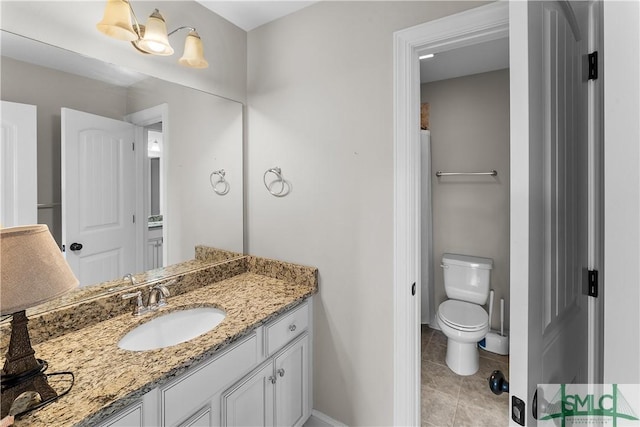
(492, 173)
(47, 205)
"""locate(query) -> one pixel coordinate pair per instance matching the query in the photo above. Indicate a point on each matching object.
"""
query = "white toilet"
(461, 318)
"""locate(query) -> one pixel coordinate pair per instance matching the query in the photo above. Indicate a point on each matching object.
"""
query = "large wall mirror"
(163, 201)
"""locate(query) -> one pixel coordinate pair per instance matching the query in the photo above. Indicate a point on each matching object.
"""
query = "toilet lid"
(463, 315)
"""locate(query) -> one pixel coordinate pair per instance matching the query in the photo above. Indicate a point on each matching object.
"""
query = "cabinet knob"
(280, 372)
(292, 328)
(272, 379)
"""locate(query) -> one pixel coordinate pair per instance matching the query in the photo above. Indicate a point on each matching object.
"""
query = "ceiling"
(464, 61)
(252, 14)
(477, 58)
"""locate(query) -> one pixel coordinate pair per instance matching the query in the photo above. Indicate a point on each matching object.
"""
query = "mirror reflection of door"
(153, 137)
(98, 196)
(18, 163)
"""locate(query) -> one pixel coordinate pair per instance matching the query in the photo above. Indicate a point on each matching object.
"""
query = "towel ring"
(285, 186)
(221, 186)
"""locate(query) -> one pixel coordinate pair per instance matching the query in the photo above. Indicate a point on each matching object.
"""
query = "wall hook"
(221, 186)
(278, 187)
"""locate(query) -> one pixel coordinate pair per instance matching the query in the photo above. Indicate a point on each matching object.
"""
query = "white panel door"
(98, 196)
(292, 385)
(19, 165)
(549, 315)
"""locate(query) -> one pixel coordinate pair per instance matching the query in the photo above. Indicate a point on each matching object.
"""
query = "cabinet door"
(201, 419)
(250, 402)
(154, 253)
(292, 385)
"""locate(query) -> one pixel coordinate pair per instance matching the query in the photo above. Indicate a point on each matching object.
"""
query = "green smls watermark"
(589, 404)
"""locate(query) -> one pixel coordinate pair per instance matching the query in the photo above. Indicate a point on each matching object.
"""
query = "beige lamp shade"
(156, 40)
(116, 21)
(193, 55)
(32, 268)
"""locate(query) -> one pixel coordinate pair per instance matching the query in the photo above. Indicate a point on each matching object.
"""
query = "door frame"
(473, 26)
(142, 118)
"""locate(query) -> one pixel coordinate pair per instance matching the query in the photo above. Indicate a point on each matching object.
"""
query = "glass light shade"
(155, 40)
(193, 55)
(32, 268)
(116, 21)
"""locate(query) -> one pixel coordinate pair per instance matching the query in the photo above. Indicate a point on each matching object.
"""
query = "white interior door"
(98, 196)
(19, 165)
(549, 202)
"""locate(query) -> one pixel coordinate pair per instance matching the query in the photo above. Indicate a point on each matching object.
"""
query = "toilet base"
(462, 358)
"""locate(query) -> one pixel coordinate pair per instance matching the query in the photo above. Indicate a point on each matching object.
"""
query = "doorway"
(536, 69)
(477, 25)
(151, 184)
(467, 93)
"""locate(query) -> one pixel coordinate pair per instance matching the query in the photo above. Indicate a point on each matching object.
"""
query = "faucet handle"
(140, 308)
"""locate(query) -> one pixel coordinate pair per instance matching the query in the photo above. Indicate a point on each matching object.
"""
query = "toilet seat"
(463, 316)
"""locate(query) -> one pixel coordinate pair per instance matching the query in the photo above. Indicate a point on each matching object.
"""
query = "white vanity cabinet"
(192, 399)
(262, 380)
(277, 392)
(129, 417)
(154, 248)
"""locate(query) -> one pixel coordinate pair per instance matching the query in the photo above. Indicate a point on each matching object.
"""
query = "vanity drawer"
(286, 328)
(184, 397)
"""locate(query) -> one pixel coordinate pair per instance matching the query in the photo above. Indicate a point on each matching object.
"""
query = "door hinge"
(133, 146)
(134, 218)
(593, 65)
(413, 289)
(64, 249)
(593, 283)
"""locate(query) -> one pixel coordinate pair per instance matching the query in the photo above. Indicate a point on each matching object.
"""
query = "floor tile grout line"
(457, 402)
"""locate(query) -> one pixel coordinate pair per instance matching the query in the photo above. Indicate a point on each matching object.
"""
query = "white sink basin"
(172, 328)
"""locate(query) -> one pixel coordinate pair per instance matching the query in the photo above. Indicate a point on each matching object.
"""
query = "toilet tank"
(467, 278)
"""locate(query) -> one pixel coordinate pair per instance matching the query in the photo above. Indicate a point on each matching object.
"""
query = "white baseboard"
(326, 419)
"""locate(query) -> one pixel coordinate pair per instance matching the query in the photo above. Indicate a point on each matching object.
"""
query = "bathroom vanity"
(269, 373)
(252, 369)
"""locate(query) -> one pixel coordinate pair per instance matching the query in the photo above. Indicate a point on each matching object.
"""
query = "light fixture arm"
(121, 22)
(181, 28)
(135, 20)
(137, 24)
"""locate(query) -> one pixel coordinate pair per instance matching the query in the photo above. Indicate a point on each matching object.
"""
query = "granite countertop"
(107, 378)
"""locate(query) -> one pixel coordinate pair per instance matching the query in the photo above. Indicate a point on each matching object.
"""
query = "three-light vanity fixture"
(120, 22)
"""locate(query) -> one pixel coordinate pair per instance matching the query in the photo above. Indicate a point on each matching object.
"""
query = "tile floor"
(452, 400)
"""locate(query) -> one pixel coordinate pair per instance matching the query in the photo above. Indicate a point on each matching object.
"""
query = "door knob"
(497, 383)
(75, 246)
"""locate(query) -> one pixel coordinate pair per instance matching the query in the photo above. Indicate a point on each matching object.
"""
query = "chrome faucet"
(157, 298)
(158, 294)
(139, 309)
(130, 278)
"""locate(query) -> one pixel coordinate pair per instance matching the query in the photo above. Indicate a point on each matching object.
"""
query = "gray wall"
(320, 106)
(72, 25)
(470, 132)
(204, 134)
(51, 90)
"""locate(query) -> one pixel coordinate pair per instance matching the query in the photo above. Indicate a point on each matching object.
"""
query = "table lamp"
(32, 271)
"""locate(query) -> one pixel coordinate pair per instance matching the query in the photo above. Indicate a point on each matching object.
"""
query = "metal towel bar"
(48, 205)
(492, 173)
